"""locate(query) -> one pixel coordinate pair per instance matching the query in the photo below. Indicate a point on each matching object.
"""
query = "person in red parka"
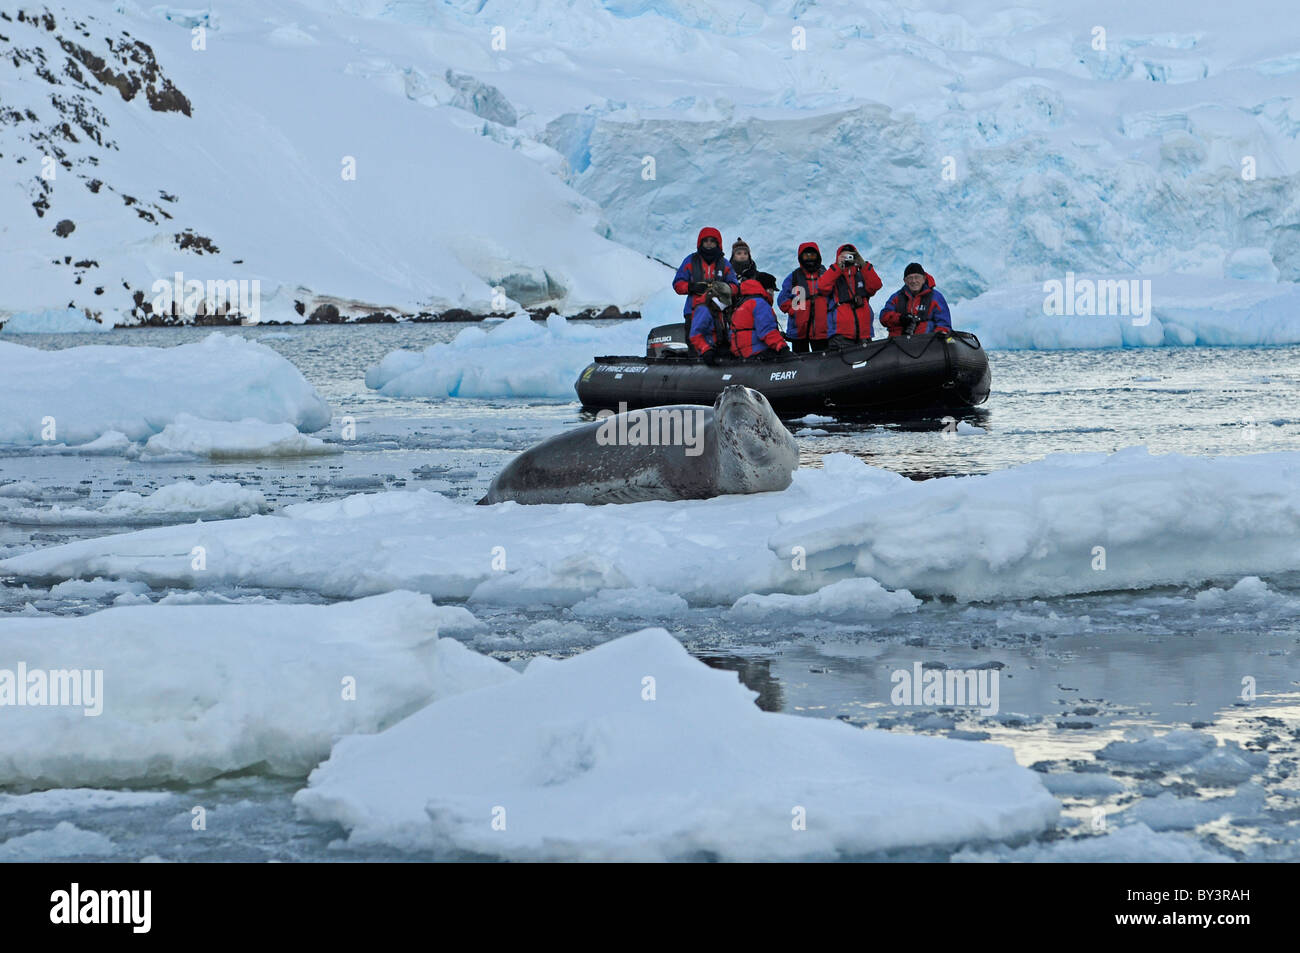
(755, 332)
(807, 307)
(849, 283)
(917, 307)
(706, 264)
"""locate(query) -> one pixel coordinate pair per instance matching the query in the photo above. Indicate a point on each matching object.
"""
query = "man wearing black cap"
(917, 307)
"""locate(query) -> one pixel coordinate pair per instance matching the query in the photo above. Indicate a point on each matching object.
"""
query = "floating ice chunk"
(187, 437)
(1169, 812)
(61, 800)
(644, 602)
(1146, 747)
(1248, 591)
(636, 750)
(848, 599)
(174, 503)
(1082, 785)
(78, 394)
(63, 840)
(53, 321)
(95, 589)
(1227, 765)
(191, 692)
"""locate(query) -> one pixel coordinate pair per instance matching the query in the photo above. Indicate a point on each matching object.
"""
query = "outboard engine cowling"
(667, 340)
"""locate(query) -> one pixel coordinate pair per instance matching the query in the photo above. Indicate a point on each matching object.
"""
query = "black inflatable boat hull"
(893, 375)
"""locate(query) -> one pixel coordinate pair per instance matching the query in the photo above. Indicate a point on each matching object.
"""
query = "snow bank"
(174, 503)
(53, 321)
(79, 394)
(1032, 530)
(516, 358)
(1185, 310)
(191, 692)
(635, 750)
(187, 437)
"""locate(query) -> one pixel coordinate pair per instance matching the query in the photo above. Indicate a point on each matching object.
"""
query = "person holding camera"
(700, 268)
(849, 282)
(917, 307)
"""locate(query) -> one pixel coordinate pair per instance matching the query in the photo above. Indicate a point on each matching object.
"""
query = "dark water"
(1077, 672)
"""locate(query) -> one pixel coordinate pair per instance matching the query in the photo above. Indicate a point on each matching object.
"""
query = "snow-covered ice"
(848, 599)
(65, 839)
(1028, 531)
(188, 437)
(79, 394)
(636, 750)
(174, 503)
(516, 358)
(191, 692)
(51, 321)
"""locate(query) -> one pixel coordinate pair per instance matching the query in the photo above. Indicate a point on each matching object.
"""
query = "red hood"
(805, 246)
(752, 286)
(840, 251)
(708, 233)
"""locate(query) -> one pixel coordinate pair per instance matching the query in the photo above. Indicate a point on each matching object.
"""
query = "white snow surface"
(581, 763)
(1027, 531)
(92, 390)
(191, 692)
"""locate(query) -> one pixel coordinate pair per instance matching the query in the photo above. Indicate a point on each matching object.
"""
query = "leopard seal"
(678, 452)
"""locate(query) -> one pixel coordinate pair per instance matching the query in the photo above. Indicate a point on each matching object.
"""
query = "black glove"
(785, 354)
(698, 287)
(909, 324)
(710, 357)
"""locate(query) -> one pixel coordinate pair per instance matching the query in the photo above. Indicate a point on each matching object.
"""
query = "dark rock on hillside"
(325, 314)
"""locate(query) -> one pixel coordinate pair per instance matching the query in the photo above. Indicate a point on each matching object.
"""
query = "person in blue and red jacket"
(917, 307)
(849, 283)
(708, 332)
(698, 269)
(755, 332)
(806, 306)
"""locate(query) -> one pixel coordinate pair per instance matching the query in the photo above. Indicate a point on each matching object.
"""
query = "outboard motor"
(667, 340)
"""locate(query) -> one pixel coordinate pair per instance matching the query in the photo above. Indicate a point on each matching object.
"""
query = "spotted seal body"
(681, 452)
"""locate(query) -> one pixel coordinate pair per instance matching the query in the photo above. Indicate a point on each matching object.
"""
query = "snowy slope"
(252, 164)
(504, 145)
